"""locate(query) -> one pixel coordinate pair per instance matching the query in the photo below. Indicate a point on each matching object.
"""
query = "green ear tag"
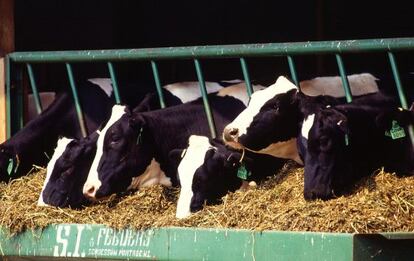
(396, 132)
(243, 173)
(346, 140)
(10, 167)
(139, 138)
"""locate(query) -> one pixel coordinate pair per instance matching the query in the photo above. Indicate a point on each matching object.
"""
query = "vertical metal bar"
(158, 83)
(246, 76)
(18, 103)
(8, 98)
(397, 80)
(292, 69)
(400, 90)
(344, 78)
(114, 83)
(205, 99)
(76, 100)
(34, 88)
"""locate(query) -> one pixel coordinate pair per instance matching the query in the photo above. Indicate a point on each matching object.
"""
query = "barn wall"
(94, 24)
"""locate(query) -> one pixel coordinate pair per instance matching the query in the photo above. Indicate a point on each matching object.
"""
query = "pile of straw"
(380, 203)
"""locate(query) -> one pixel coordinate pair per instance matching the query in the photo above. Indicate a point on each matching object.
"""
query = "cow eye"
(325, 143)
(115, 138)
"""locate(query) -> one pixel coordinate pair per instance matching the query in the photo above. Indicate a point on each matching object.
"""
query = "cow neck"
(170, 129)
(38, 134)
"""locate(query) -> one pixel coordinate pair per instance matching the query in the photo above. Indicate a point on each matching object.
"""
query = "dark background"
(101, 24)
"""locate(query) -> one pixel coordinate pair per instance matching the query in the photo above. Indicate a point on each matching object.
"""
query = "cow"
(273, 118)
(129, 141)
(208, 170)
(350, 141)
(67, 172)
(35, 142)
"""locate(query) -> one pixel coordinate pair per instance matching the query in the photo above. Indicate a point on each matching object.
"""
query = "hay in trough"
(380, 203)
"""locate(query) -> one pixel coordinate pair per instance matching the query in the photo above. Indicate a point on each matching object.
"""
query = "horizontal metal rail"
(216, 51)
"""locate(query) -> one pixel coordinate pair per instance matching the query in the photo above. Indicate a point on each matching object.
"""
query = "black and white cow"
(67, 171)
(129, 141)
(274, 116)
(347, 142)
(209, 169)
(36, 140)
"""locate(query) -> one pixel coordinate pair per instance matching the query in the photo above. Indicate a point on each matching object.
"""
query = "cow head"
(67, 172)
(120, 154)
(327, 164)
(270, 123)
(207, 171)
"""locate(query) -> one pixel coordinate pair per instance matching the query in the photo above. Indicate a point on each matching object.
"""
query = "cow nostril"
(231, 134)
(234, 132)
(90, 191)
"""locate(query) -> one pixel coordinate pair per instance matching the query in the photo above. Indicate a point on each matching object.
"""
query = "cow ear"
(176, 155)
(385, 120)
(233, 160)
(343, 125)
(147, 104)
(209, 154)
(136, 121)
(88, 148)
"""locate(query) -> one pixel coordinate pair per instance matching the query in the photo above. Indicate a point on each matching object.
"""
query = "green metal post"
(246, 76)
(114, 83)
(34, 88)
(18, 96)
(293, 70)
(158, 83)
(8, 98)
(76, 100)
(344, 78)
(397, 80)
(400, 90)
(205, 99)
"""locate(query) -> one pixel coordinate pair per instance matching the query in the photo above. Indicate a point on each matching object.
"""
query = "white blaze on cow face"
(93, 179)
(307, 125)
(257, 100)
(60, 148)
(104, 83)
(192, 160)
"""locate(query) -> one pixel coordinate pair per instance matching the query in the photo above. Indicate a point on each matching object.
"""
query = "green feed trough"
(81, 241)
(84, 241)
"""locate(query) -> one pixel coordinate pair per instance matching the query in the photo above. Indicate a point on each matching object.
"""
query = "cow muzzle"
(231, 134)
(89, 191)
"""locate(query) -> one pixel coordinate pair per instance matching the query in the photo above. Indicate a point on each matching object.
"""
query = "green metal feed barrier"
(97, 241)
(196, 53)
